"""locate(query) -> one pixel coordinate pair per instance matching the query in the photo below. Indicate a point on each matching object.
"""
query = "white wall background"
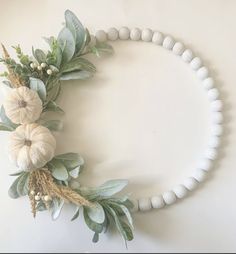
(144, 117)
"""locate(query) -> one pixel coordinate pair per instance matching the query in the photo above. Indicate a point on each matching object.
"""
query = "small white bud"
(32, 66)
(32, 193)
(35, 65)
(49, 72)
(39, 68)
(43, 65)
(37, 198)
(47, 198)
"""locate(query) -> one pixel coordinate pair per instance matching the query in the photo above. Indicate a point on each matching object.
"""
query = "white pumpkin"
(31, 146)
(23, 105)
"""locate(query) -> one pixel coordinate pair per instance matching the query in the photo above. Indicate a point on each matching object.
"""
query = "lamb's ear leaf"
(38, 86)
(95, 227)
(20, 186)
(52, 106)
(76, 215)
(6, 121)
(96, 213)
(59, 171)
(66, 42)
(95, 238)
(57, 205)
(5, 127)
(40, 56)
(76, 75)
(77, 29)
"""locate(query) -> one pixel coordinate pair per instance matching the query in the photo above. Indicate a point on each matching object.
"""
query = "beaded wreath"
(49, 180)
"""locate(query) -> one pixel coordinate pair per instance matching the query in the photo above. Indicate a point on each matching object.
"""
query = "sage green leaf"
(122, 227)
(17, 173)
(53, 125)
(52, 106)
(7, 83)
(77, 64)
(125, 211)
(77, 29)
(54, 91)
(40, 207)
(96, 213)
(50, 40)
(95, 238)
(57, 206)
(13, 193)
(101, 47)
(5, 127)
(38, 86)
(58, 170)
(70, 160)
(40, 56)
(112, 187)
(7, 122)
(76, 214)
(54, 68)
(95, 227)
(67, 44)
(76, 75)
(106, 190)
(127, 231)
(22, 186)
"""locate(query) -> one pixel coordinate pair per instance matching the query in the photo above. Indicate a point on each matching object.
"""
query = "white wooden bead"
(213, 94)
(217, 129)
(147, 34)
(135, 34)
(200, 175)
(112, 34)
(157, 202)
(187, 56)
(190, 183)
(178, 48)
(211, 153)
(196, 63)
(180, 191)
(214, 142)
(101, 36)
(205, 164)
(124, 33)
(208, 83)
(157, 38)
(217, 118)
(216, 105)
(202, 73)
(168, 43)
(144, 204)
(169, 197)
(135, 208)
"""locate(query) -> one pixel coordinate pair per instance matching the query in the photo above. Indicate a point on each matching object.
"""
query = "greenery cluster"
(66, 61)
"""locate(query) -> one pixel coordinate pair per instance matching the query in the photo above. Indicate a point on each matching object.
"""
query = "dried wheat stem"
(42, 181)
(16, 80)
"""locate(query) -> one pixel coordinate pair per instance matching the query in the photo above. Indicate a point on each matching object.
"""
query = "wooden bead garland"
(202, 73)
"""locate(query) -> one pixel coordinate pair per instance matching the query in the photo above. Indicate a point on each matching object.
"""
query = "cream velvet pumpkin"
(31, 146)
(23, 105)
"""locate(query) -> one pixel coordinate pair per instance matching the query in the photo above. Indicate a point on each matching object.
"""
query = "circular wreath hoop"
(50, 180)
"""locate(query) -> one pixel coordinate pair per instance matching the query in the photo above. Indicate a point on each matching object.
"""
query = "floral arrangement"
(46, 178)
